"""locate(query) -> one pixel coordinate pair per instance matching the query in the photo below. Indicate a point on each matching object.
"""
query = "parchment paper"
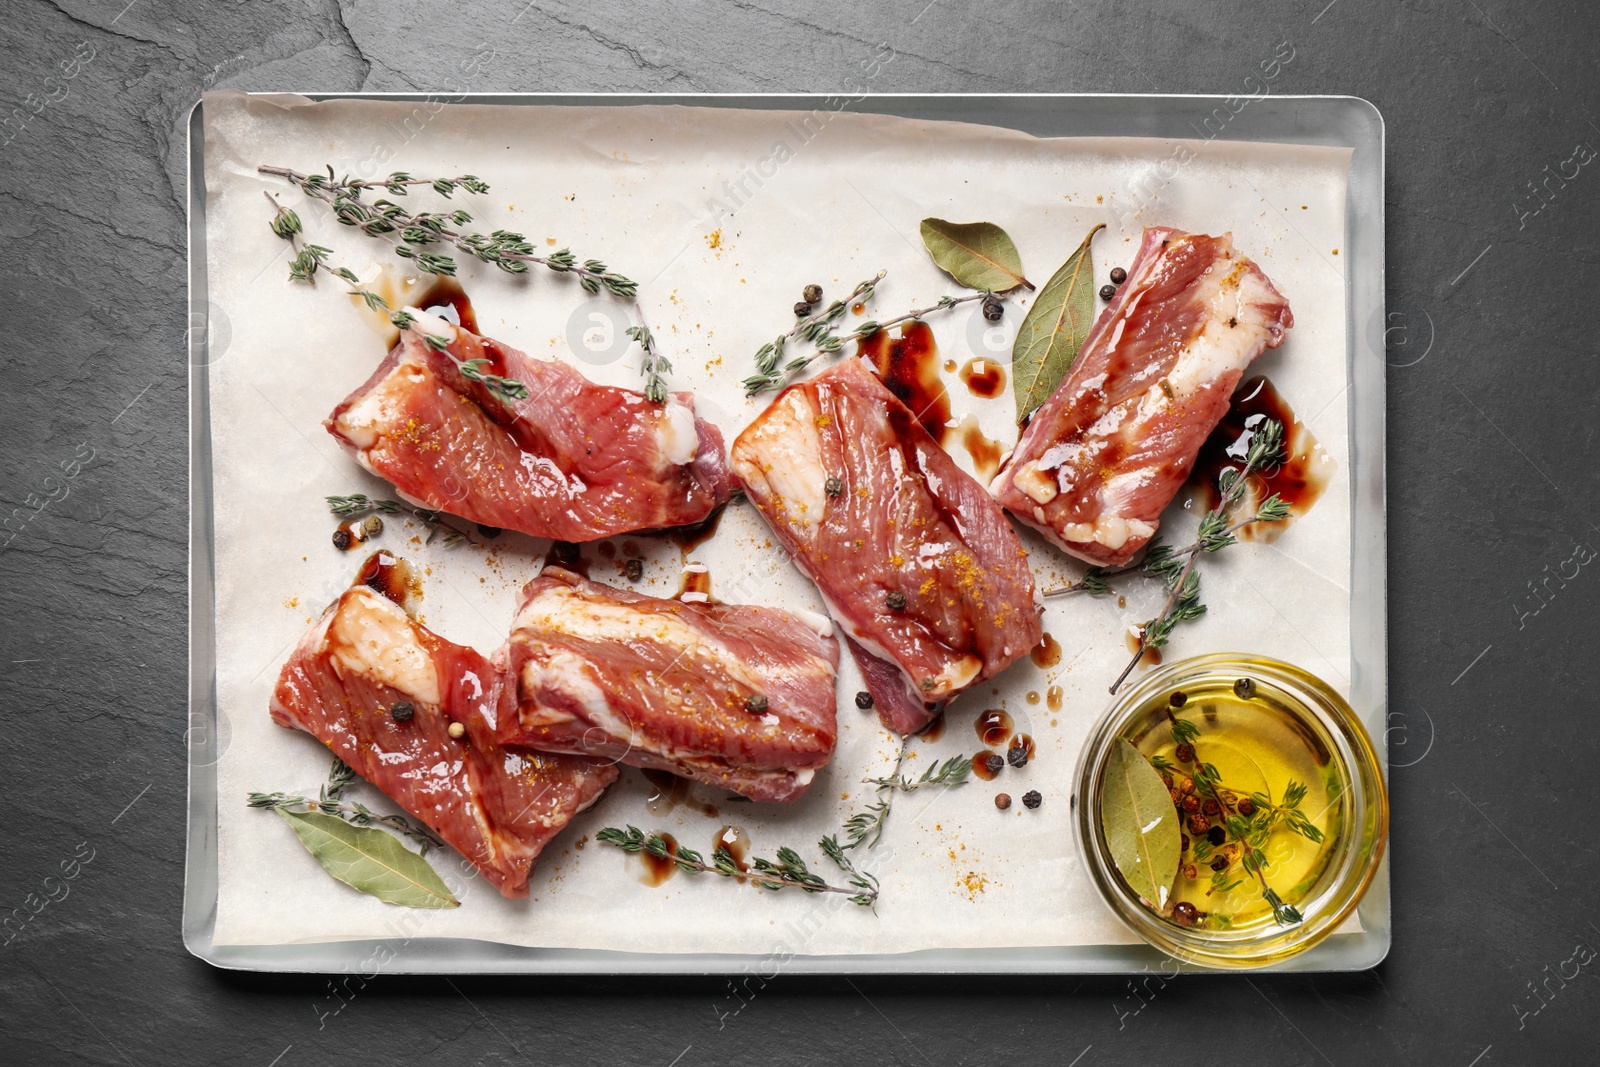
(723, 216)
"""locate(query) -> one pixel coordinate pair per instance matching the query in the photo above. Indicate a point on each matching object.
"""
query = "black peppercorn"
(895, 601)
(1185, 753)
(1216, 835)
(1244, 688)
(1032, 799)
(802, 309)
(1190, 871)
(833, 486)
(756, 704)
(812, 293)
(634, 569)
(1178, 698)
(1002, 801)
(1247, 806)
(1186, 785)
(1197, 824)
(1211, 807)
(993, 309)
(993, 763)
(1107, 292)
(1190, 804)
(1177, 797)
(1185, 914)
(863, 700)
(341, 539)
(1017, 756)
(1118, 275)
(1183, 842)
(402, 711)
(489, 533)
(1220, 863)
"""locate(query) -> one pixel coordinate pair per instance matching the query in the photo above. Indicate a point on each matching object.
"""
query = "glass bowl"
(1283, 710)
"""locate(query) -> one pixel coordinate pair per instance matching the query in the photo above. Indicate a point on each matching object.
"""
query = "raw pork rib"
(496, 805)
(573, 461)
(915, 562)
(738, 696)
(1102, 458)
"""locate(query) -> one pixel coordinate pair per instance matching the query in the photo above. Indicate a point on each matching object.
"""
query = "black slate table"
(1493, 203)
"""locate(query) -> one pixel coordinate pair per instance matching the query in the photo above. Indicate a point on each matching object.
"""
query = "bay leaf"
(368, 859)
(1140, 824)
(1053, 330)
(978, 255)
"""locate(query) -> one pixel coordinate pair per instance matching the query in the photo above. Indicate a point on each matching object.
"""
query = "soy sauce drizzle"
(985, 453)
(567, 555)
(933, 731)
(695, 587)
(909, 366)
(1299, 479)
(446, 299)
(1047, 653)
(689, 538)
(980, 765)
(391, 576)
(983, 377)
(736, 842)
(657, 869)
(671, 793)
(994, 728)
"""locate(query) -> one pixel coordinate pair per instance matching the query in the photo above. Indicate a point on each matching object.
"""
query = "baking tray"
(1345, 122)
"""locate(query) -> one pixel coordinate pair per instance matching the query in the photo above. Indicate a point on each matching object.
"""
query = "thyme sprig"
(361, 504)
(1093, 583)
(309, 259)
(413, 233)
(655, 364)
(329, 801)
(1176, 568)
(865, 827)
(952, 772)
(819, 329)
(788, 871)
(416, 235)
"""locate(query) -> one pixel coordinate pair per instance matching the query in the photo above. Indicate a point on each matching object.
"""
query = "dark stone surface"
(1493, 452)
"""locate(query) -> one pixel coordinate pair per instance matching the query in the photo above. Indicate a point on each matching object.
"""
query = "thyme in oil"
(361, 504)
(1247, 820)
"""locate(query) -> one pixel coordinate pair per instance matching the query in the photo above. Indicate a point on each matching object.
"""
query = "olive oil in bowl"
(1272, 789)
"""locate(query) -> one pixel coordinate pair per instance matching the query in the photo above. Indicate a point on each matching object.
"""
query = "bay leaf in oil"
(1053, 330)
(370, 860)
(1140, 824)
(978, 255)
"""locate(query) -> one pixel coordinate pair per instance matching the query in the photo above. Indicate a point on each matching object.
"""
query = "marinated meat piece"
(1104, 456)
(498, 805)
(573, 461)
(917, 565)
(741, 697)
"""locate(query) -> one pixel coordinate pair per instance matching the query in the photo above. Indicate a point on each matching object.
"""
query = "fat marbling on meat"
(498, 805)
(573, 461)
(738, 696)
(1103, 457)
(916, 563)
